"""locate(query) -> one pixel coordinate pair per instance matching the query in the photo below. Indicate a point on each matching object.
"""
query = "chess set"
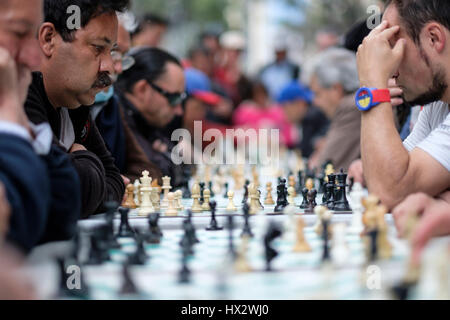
(205, 243)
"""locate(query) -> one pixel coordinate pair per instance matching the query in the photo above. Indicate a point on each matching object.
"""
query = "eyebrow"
(24, 22)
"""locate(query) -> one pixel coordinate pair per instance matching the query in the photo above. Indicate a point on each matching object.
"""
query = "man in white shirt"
(412, 45)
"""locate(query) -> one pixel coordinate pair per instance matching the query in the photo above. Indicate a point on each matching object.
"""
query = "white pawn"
(319, 211)
(231, 206)
(339, 251)
(166, 187)
(178, 196)
(356, 196)
(171, 210)
(291, 193)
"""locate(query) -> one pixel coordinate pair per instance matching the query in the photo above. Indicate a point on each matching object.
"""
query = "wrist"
(379, 83)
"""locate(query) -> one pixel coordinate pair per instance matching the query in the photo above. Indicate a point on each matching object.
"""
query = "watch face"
(364, 98)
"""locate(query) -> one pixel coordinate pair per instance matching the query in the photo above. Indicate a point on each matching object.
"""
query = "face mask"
(104, 96)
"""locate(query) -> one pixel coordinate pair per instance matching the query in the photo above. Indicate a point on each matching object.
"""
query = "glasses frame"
(174, 99)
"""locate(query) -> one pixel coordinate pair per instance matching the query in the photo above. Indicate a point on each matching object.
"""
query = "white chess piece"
(356, 196)
(339, 251)
(146, 206)
(290, 225)
(166, 187)
(171, 210)
(137, 197)
(231, 206)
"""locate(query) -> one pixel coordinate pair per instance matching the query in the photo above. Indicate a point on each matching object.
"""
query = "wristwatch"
(367, 98)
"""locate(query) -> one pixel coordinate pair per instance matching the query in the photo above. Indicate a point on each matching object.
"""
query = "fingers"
(413, 204)
(432, 225)
(399, 48)
(126, 181)
(380, 28)
(396, 102)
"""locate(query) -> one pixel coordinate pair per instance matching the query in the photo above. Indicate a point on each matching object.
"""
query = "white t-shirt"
(432, 133)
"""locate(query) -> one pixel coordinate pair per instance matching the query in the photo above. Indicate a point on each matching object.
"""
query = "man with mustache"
(76, 66)
(412, 45)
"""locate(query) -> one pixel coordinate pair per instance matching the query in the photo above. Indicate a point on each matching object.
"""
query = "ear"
(47, 38)
(435, 36)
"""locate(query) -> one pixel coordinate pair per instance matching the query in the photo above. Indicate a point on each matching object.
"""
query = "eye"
(99, 49)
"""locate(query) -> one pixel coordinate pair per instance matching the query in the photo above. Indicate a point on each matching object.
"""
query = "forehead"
(391, 15)
(29, 12)
(102, 27)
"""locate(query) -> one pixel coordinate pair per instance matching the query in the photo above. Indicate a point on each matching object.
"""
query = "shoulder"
(36, 102)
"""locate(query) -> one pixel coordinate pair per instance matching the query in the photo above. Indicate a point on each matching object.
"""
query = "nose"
(29, 54)
(118, 67)
(107, 64)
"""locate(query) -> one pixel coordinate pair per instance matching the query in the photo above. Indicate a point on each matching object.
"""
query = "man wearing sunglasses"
(152, 93)
(129, 157)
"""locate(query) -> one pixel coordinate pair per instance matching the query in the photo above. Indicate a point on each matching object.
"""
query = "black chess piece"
(128, 285)
(246, 232)
(373, 236)
(304, 203)
(99, 251)
(111, 208)
(202, 189)
(154, 234)
(211, 189)
(341, 202)
(281, 196)
(245, 198)
(125, 230)
(226, 191)
(187, 241)
(71, 287)
(185, 273)
(185, 183)
(300, 182)
(192, 228)
(259, 200)
(213, 226)
(331, 187)
(402, 290)
(321, 178)
(139, 257)
(311, 196)
(230, 227)
(326, 239)
(272, 233)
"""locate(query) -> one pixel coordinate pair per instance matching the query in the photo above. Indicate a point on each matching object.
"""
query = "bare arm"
(390, 171)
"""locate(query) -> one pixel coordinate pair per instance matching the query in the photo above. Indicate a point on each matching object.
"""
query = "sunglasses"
(174, 99)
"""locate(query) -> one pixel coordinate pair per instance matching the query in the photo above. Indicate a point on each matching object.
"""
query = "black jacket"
(100, 179)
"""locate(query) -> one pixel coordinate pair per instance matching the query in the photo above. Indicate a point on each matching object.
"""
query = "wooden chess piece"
(129, 202)
(231, 206)
(207, 197)
(171, 209)
(269, 200)
(291, 183)
(146, 205)
(196, 207)
(242, 264)
(301, 245)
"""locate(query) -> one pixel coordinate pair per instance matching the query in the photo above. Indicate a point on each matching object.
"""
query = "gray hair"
(337, 66)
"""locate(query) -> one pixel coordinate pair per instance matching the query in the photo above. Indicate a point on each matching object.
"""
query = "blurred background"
(305, 26)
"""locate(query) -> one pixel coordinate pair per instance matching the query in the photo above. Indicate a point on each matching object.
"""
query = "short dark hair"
(416, 13)
(55, 11)
(150, 19)
(150, 64)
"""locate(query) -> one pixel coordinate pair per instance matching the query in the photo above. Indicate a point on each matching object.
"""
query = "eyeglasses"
(127, 61)
(174, 99)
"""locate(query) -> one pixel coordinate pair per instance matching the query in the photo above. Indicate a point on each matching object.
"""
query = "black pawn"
(311, 196)
(341, 202)
(245, 199)
(111, 208)
(211, 189)
(226, 191)
(325, 238)
(304, 203)
(155, 234)
(272, 233)
(139, 257)
(246, 232)
(213, 226)
(185, 273)
(281, 196)
(128, 285)
(202, 188)
(185, 182)
(231, 248)
(125, 230)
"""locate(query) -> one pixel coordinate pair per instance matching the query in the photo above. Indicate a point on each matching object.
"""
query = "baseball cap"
(198, 86)
(295, 91)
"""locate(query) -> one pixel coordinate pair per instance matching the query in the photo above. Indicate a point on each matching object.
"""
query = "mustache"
(103, 81)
